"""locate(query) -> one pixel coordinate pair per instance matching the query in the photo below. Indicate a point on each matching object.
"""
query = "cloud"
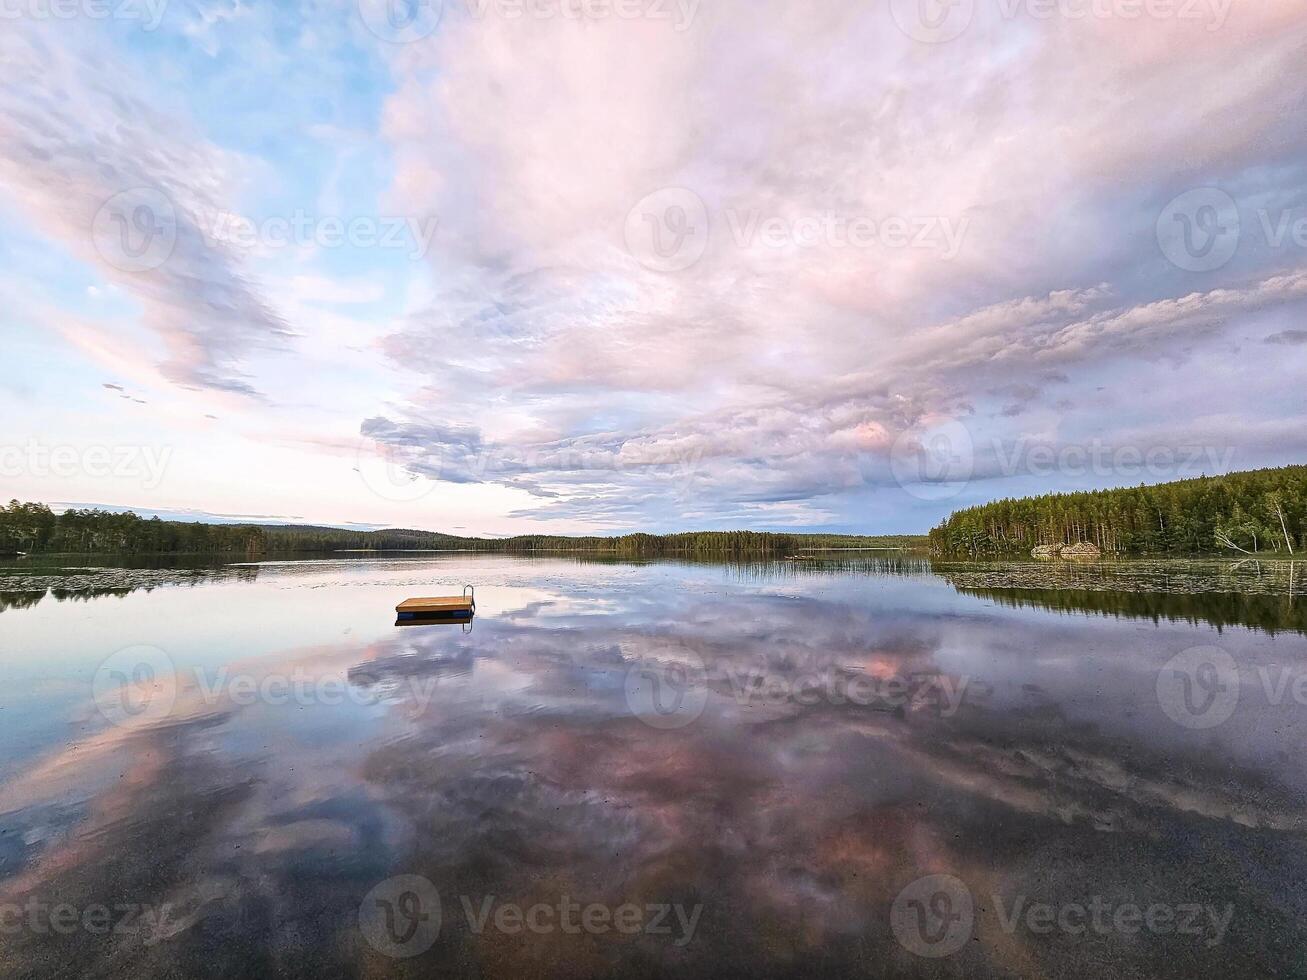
(1287, 337)
(887, 233)
(438, 452)
(834, 436)
(185, 514)
(785, 369)
(75, 138)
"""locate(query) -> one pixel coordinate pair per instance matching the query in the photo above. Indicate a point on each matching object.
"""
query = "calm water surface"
(826, 768)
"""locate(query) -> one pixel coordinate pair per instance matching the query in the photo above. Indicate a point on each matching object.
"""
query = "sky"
(591, 266)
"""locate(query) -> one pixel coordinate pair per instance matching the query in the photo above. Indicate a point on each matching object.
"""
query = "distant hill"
(33, 528)
(1256, 512)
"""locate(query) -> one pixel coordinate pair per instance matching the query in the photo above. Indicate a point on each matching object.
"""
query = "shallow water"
(853, 767)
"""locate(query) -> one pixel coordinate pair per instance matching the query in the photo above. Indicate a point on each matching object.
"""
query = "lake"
(871, 766)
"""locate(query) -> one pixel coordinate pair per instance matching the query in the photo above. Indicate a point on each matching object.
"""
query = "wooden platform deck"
(439, 606)
(435, 606)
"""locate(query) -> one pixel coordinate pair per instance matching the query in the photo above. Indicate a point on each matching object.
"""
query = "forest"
(1259, 512)
(33, 528)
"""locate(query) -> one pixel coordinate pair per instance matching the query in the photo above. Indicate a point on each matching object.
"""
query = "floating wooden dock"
(439, 607)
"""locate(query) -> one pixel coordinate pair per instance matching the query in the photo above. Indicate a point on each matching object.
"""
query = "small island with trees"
(1259, 512)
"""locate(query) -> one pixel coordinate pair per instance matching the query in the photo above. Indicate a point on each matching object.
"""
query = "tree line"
(705, 543)
(1259, 512)
(34, 528)
(1270, 613)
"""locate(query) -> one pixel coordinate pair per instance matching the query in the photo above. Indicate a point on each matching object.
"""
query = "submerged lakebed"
(836, 766)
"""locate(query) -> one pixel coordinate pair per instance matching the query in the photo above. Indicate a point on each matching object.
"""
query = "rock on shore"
(1071, 552)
